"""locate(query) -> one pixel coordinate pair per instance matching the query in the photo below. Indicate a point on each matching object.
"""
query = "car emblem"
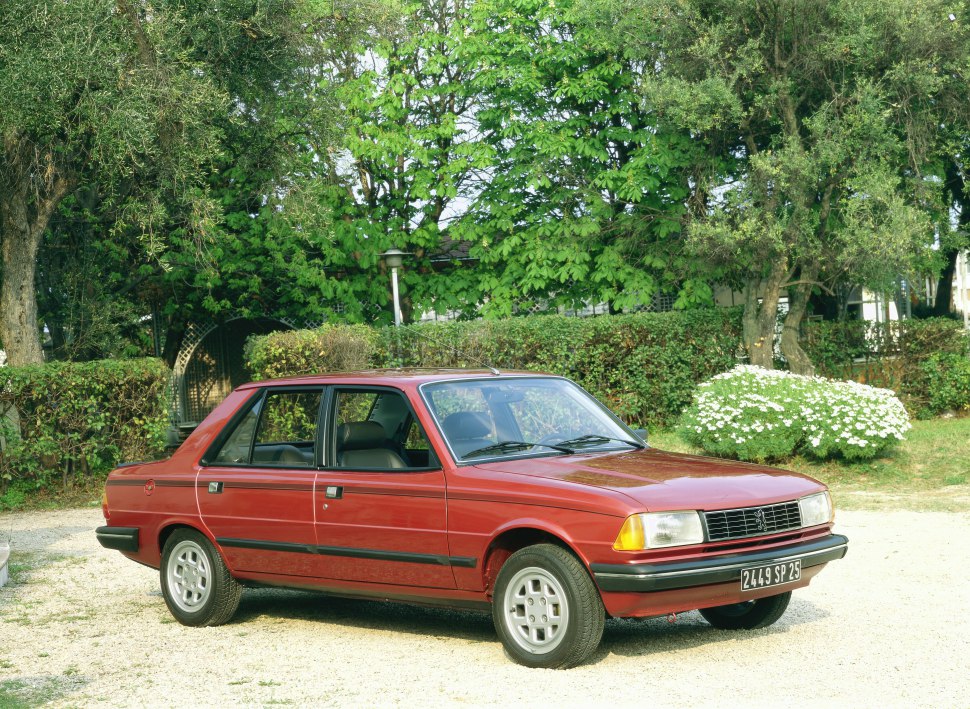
(149, 487)
(760, 521)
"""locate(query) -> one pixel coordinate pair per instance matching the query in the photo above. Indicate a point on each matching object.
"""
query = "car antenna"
(454, 350)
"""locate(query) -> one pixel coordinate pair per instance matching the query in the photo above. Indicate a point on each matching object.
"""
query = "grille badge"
(760, 521)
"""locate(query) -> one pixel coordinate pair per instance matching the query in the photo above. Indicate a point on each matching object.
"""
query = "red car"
(514, 492)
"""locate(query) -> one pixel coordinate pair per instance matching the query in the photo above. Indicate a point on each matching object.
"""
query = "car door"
(255, 484)
(381, 516)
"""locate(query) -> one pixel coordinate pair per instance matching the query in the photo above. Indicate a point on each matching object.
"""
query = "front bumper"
(725, 568)
(120, 538)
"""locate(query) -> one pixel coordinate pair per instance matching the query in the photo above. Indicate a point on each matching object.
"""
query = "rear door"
(380, 497)
(255, 487)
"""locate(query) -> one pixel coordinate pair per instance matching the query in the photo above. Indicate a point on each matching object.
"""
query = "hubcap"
(536, 610)
(189, 576)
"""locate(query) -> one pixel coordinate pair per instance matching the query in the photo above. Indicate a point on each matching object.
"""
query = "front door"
(380, 498)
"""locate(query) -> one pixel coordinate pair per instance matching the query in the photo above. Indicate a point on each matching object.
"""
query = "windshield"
(490, 418)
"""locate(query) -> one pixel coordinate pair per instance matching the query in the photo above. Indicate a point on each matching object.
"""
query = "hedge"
(69, 419)
(891, 355)
(331, 348)
(948, 384)
(643, 366)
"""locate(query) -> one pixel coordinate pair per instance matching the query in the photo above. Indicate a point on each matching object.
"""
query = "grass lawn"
(930, 470)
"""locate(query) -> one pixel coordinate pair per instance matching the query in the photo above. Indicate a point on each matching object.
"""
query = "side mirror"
(641, 434)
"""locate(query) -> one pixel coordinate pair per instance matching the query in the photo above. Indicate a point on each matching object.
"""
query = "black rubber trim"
(711, 570)
(120, 538)
(378, 554)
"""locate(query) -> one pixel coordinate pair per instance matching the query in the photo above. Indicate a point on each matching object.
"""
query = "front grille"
(724, 525)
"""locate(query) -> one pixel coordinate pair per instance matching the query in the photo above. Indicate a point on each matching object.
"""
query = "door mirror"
(641, 434)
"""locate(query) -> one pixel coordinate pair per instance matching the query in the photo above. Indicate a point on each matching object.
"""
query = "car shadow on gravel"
(622, 636)
(361, 613)
(635, 638)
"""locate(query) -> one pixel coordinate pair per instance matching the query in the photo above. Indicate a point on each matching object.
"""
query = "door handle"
(215, 488)
(333, 492)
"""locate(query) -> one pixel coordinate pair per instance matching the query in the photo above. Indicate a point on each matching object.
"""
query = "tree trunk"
(31, 187)
(791, 348)
(760, 320)
(943, 303)
(18, 304)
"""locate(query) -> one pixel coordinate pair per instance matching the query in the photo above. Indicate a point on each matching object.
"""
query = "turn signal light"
(631, 536)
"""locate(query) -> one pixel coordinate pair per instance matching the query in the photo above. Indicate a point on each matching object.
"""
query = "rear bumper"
(667, 576)
(120, 538)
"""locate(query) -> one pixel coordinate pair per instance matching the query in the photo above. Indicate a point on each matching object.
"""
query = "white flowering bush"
(757, 414)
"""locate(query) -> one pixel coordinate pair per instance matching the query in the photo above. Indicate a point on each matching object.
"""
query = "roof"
(412, 375)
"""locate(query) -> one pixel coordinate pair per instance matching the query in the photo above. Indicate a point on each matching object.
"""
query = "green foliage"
(586, 192)
(645, 366)
(79, 418)
(890, 355)
(761, 415)
(331, 348)
(947, 379)
(827, 126)
(407, 160)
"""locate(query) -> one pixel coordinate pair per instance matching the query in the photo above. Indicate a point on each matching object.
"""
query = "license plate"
(757, 577)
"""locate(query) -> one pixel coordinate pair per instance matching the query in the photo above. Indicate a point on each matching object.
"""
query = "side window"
(376, 430)
(287, 430)
(280, 429)
(237, 446)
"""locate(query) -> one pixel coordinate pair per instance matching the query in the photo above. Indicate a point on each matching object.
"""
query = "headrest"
(359, 435)
(466, 424)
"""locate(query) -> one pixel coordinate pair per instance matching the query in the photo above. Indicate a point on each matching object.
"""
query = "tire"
(197, 586)
(748, 615)
(549, 577)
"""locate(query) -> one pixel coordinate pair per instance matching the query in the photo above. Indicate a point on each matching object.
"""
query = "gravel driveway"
(83, 626)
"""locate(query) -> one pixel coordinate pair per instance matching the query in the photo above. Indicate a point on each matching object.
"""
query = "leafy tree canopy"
(823, 122)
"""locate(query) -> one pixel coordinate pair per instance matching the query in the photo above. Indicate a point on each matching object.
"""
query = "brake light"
(104, 505)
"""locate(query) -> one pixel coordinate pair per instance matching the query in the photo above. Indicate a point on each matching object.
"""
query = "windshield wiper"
(504, 446)
(594, 438)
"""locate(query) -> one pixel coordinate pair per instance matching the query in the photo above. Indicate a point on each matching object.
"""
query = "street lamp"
(393, 259)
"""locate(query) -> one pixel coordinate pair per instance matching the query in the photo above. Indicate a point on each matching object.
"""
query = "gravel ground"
(83, 626)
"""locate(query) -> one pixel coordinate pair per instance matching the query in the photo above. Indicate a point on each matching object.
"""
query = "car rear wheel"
(546, 608)
(748, 615)
(197, 586)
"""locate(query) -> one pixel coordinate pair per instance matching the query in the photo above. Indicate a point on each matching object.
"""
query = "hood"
(660, 481)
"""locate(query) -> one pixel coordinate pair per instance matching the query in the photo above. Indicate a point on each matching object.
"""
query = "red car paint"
(470, 517)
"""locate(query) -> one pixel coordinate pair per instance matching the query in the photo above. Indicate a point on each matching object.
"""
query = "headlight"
(655, 530)
(815, 509)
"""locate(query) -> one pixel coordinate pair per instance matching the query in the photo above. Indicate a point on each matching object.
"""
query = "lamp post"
(394, 258)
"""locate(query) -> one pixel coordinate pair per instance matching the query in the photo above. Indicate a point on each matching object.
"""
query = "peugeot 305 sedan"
(518, 493)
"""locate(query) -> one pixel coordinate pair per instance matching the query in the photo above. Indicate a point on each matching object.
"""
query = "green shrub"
(644, 366)
(756, 414)
(947, 379)
(79, 418)
(888, 355)
(331, 348)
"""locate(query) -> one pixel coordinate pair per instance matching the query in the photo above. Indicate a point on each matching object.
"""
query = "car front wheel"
(197, 586)
(748, 615)
(546, 608)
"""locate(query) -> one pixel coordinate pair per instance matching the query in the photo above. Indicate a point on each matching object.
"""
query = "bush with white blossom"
(757, 414)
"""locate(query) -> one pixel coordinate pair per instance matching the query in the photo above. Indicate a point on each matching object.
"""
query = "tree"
(584, 197)
(138, 110)
(405, 165)
(822, 121)
(91, 85)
